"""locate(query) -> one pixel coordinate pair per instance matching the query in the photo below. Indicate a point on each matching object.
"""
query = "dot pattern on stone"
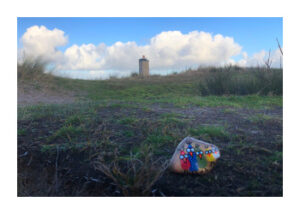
(194, 156)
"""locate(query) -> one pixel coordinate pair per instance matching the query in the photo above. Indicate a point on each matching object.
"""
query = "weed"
(67, 133)
(134, 177)
(128, 120)
(73, 120)
(128, 133)
(21, 132)
(276, 157)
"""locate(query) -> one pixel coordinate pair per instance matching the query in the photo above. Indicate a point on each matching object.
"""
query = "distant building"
(144, 67)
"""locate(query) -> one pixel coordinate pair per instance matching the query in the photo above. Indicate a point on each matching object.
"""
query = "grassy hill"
(114, 137)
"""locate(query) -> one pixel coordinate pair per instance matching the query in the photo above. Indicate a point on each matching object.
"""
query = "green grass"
(276, 157)
(21, 132)
(159, 139)
(67, 133)
(73, 120)
(251, 101)
(128, 120)
(209, 132)
(257, 86)
(260, 118)
(172, 119)
(52, 148)
(128, 133)
(236, 82)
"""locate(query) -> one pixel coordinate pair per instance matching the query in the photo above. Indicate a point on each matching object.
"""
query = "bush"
(134, 75)
(30, 68)
(237, 81)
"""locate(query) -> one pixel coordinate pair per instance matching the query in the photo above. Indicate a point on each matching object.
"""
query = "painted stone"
(194, 156)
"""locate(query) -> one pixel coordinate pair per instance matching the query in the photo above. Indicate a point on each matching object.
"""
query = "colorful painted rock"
(194, 156)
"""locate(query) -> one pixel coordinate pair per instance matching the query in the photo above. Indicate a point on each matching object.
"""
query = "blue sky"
(252, 34)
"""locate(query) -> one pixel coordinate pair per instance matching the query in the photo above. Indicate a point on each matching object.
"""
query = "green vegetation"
(139, 176)
(21, 132)
(260, 118)
(67, 133)
(119, 134)
(209, 132)
(238, 81)
(73, 120)
(259, 87)
(128, 120)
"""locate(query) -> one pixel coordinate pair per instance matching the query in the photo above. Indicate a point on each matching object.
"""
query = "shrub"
(237, 81)
(30, 68)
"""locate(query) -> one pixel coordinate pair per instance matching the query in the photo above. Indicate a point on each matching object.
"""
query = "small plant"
(21, 132)
(128, 133)
(74, 120)
(134, 177)
(67, 133)
(128, 121)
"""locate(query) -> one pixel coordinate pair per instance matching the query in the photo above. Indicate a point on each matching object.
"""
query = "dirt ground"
(27, 95)
(250, 163)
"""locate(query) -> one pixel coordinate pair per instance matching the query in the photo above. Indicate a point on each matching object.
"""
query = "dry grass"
(134, 177)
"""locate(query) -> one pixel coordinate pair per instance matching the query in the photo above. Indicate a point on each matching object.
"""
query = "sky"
(98, 48)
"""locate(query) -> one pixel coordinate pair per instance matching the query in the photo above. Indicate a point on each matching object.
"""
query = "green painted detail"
(202, 163)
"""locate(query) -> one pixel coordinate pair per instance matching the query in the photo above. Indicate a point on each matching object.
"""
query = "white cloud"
(84, 57)
(259, 59)
(41, 42)
(167, 51)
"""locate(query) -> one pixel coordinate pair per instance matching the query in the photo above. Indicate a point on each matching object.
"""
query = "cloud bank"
(258, 59)
(167, 51)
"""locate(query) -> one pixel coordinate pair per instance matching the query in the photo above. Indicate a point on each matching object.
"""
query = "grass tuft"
(67, 133)
(134, 177)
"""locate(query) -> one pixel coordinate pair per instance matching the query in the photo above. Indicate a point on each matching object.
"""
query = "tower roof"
(143, 58)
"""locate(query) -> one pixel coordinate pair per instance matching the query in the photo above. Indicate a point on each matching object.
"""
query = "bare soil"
(29, 95)
(249, 163)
